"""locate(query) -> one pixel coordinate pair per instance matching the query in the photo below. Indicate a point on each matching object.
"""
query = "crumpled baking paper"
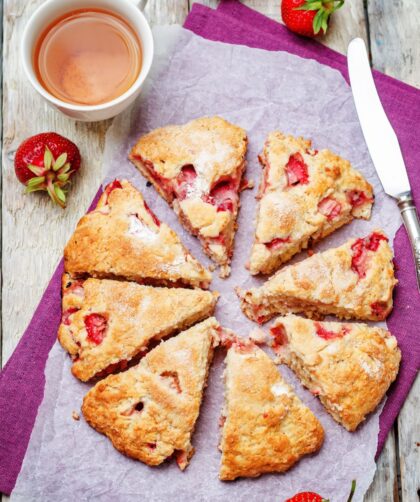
(260, 91)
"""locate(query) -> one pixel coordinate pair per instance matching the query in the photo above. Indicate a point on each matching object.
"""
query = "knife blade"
(382, 142)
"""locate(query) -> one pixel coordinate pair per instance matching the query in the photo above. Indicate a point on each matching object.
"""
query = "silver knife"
(382, 142)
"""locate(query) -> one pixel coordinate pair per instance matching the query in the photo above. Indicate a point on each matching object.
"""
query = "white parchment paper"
(261, 91)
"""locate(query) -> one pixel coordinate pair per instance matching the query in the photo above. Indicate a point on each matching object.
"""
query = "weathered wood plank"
(409, 445)
(347, 23)
(384, 487)
(166, 11)
(394, 30)
(394, 33)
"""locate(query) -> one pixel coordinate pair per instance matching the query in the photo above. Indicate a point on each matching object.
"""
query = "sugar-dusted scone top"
(105, 323)
(355, 280)
(197, 168)
(123, 238)
(348, 366)
(149, 411)
(266, 427)
(305, 195)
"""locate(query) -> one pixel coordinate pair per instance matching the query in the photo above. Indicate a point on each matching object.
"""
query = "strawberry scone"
(121, 238)
(355, 280)
(266, 428)
(197, 168)
(348, 366)
(305, 195)
(149, 411)
(106, 324)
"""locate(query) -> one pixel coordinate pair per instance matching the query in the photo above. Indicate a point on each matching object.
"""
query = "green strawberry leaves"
(324, 9)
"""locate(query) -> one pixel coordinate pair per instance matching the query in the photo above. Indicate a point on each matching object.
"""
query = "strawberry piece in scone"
(123, 238)
(197, 168)
(265, 426)
(348, 366)
(149, 411)
(305, 195)
(355, 280)
(107, 325)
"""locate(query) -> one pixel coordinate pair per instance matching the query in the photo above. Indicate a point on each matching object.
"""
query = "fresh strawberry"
(308, 17)
(329, 207)
(306, 497)
(296, 170)
(96, 325)
(46, 162)
(330, 335)
(185, 182)
(276, 243)
(314, 497)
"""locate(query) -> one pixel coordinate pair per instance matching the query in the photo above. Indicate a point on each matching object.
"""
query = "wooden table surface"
(34, 231)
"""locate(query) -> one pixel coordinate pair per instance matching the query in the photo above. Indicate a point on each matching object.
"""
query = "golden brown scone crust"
(169, 383)
(121, 238)
(298, 214)
(134, 316)
(350, 371)
(325, 284)
(216, 150)
(266, 426)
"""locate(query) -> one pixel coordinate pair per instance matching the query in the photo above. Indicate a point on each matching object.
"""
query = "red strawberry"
(308, 17)
(96, 325)
(314, 497)
(306, 497)
(296, 170)
(46, 162)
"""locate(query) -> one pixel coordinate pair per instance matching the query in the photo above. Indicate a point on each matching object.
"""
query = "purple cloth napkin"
(22, 379)
(235, 23)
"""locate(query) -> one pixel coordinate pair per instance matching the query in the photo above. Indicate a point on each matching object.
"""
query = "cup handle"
(141, 4)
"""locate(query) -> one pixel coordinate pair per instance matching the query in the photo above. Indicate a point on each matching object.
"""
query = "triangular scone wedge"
(348, 366)
(122, 238)
(304, 195)
(266, 428)
(149, 411)
(106, 323)
(355, 280)
(197, 168)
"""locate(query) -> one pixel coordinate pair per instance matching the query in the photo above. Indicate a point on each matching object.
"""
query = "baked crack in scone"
(266, 428)
(106, 324)
(348, 366)
(305, 195)
(354, 280)
(122, 238)
(149, 411)
(197, 168)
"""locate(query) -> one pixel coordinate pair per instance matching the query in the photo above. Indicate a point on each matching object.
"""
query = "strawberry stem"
(324, 9)
(353, 489)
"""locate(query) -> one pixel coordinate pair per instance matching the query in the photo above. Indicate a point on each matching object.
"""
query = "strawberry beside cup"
(46, 162)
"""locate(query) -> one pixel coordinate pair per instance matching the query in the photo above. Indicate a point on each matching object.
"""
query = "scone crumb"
(224, 271)
(212, 267)
(75, 416)
(258, 336)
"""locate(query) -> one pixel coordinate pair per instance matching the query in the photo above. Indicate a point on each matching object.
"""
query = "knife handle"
(412, 225)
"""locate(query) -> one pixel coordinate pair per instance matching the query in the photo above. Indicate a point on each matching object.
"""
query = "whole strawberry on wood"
(308, 17)
(46, 162)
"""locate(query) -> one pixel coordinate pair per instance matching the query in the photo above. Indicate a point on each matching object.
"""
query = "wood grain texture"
(34, 231)
(394, 33)
(384, 487)
(409, 445)
(395, 49)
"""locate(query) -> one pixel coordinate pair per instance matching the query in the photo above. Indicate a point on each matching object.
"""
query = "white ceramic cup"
(53, 9)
